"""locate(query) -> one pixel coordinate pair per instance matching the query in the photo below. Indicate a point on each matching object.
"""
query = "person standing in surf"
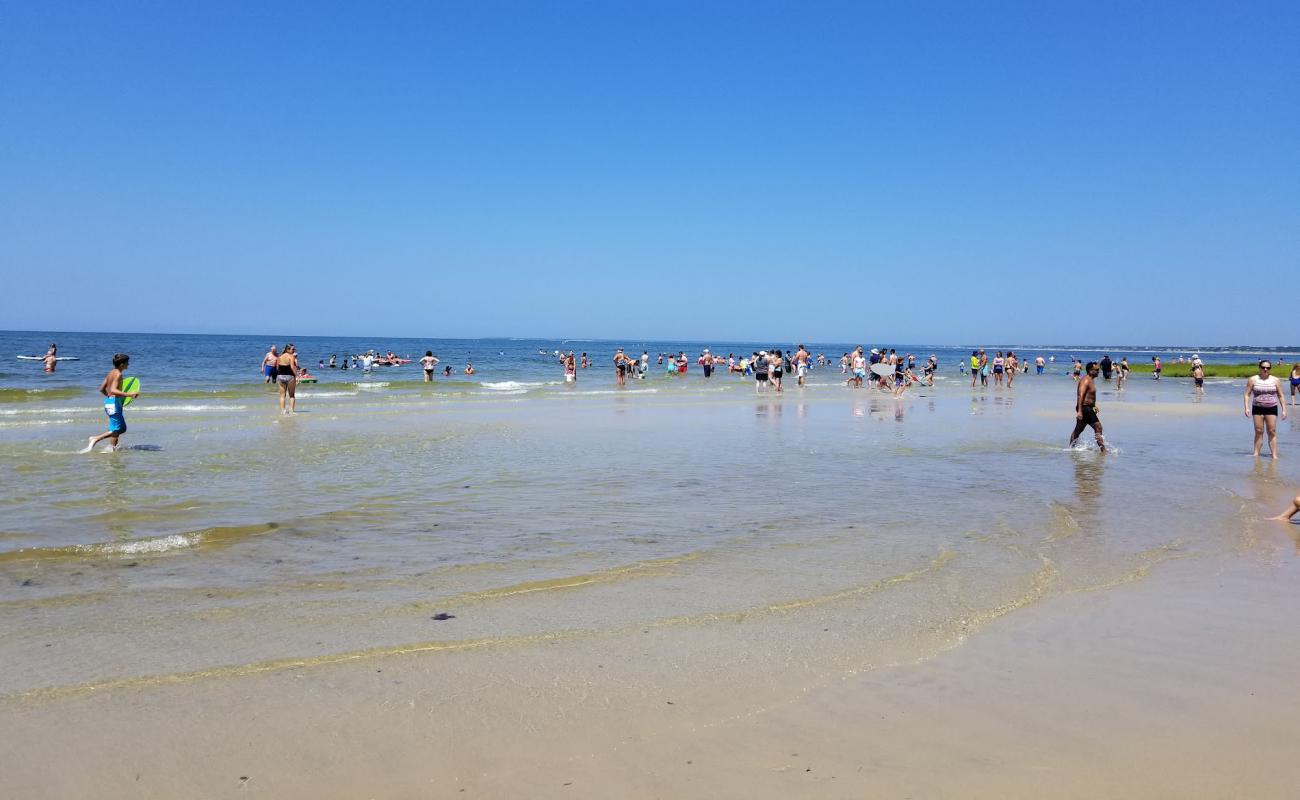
(111, 388)
(1085, 406)
(801, 357)
(1263, 399)
(776, 368)
(268, 364)
(427, 364)
(620, 368)
(286, 378)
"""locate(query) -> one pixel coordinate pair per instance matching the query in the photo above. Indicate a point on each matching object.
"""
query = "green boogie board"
(131, 384)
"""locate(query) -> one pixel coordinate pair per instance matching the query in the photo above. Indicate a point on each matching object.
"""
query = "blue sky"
(941, 172)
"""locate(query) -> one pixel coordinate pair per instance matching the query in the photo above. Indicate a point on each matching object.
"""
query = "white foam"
(511, 386)
(159, 544)
(610, 391)
(189, 408)
(372, 385)
(9, 412)
(326, 394)
(36, 422)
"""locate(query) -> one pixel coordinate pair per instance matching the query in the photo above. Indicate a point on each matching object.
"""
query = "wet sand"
(834, 595)
(1180, 684)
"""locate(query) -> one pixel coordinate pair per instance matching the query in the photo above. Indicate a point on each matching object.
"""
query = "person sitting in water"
(304, 375)
(1286, 516)
(469, 368)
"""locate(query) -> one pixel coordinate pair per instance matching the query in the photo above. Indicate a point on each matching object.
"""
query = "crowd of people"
(1264, 400)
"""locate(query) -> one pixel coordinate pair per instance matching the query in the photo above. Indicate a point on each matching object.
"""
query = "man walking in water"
(1085, 406)
(801, 357)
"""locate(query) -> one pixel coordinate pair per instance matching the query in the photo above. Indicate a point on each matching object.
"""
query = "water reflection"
(1088, 467)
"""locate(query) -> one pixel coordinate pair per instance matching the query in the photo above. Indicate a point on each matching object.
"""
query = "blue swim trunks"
(116, 419)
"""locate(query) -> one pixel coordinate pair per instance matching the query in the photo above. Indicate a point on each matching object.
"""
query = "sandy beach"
(828, 594)
(1178, 683)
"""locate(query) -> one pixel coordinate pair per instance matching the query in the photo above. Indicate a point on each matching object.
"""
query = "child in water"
(111, 388)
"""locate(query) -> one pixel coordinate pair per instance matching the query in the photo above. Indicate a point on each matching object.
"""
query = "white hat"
(762, 352)
(706, 349)
(875, 352)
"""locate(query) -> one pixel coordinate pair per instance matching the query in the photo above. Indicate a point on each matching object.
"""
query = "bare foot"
(90, 444)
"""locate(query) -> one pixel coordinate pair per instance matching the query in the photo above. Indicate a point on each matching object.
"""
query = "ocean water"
(512, 509)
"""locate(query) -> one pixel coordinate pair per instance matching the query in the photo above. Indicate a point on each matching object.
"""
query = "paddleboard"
(129, 384)
(42, 358)
(882, 370)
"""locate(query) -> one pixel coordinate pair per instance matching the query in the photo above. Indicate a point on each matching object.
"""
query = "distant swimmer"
(286, 378)
(446, 370)
(334, 361)
(1198, 378)
(1038, 365)
(268, 364)
(1122, 377)
(1107, 367)
(1263, 401)
(111, 388)
(570, 368)
(51, 358)
(427, 364)
(1295, 380)
(469, 368)
(1085, 406)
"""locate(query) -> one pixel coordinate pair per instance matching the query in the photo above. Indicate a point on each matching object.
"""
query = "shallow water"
(231, 539)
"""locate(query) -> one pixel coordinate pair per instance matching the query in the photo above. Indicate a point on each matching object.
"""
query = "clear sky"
(912, 172)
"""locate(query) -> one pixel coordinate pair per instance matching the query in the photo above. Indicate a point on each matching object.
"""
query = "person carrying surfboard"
(116, 395)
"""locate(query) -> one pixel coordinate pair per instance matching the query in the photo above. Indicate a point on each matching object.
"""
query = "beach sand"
(989, 615)
(1180, 685)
